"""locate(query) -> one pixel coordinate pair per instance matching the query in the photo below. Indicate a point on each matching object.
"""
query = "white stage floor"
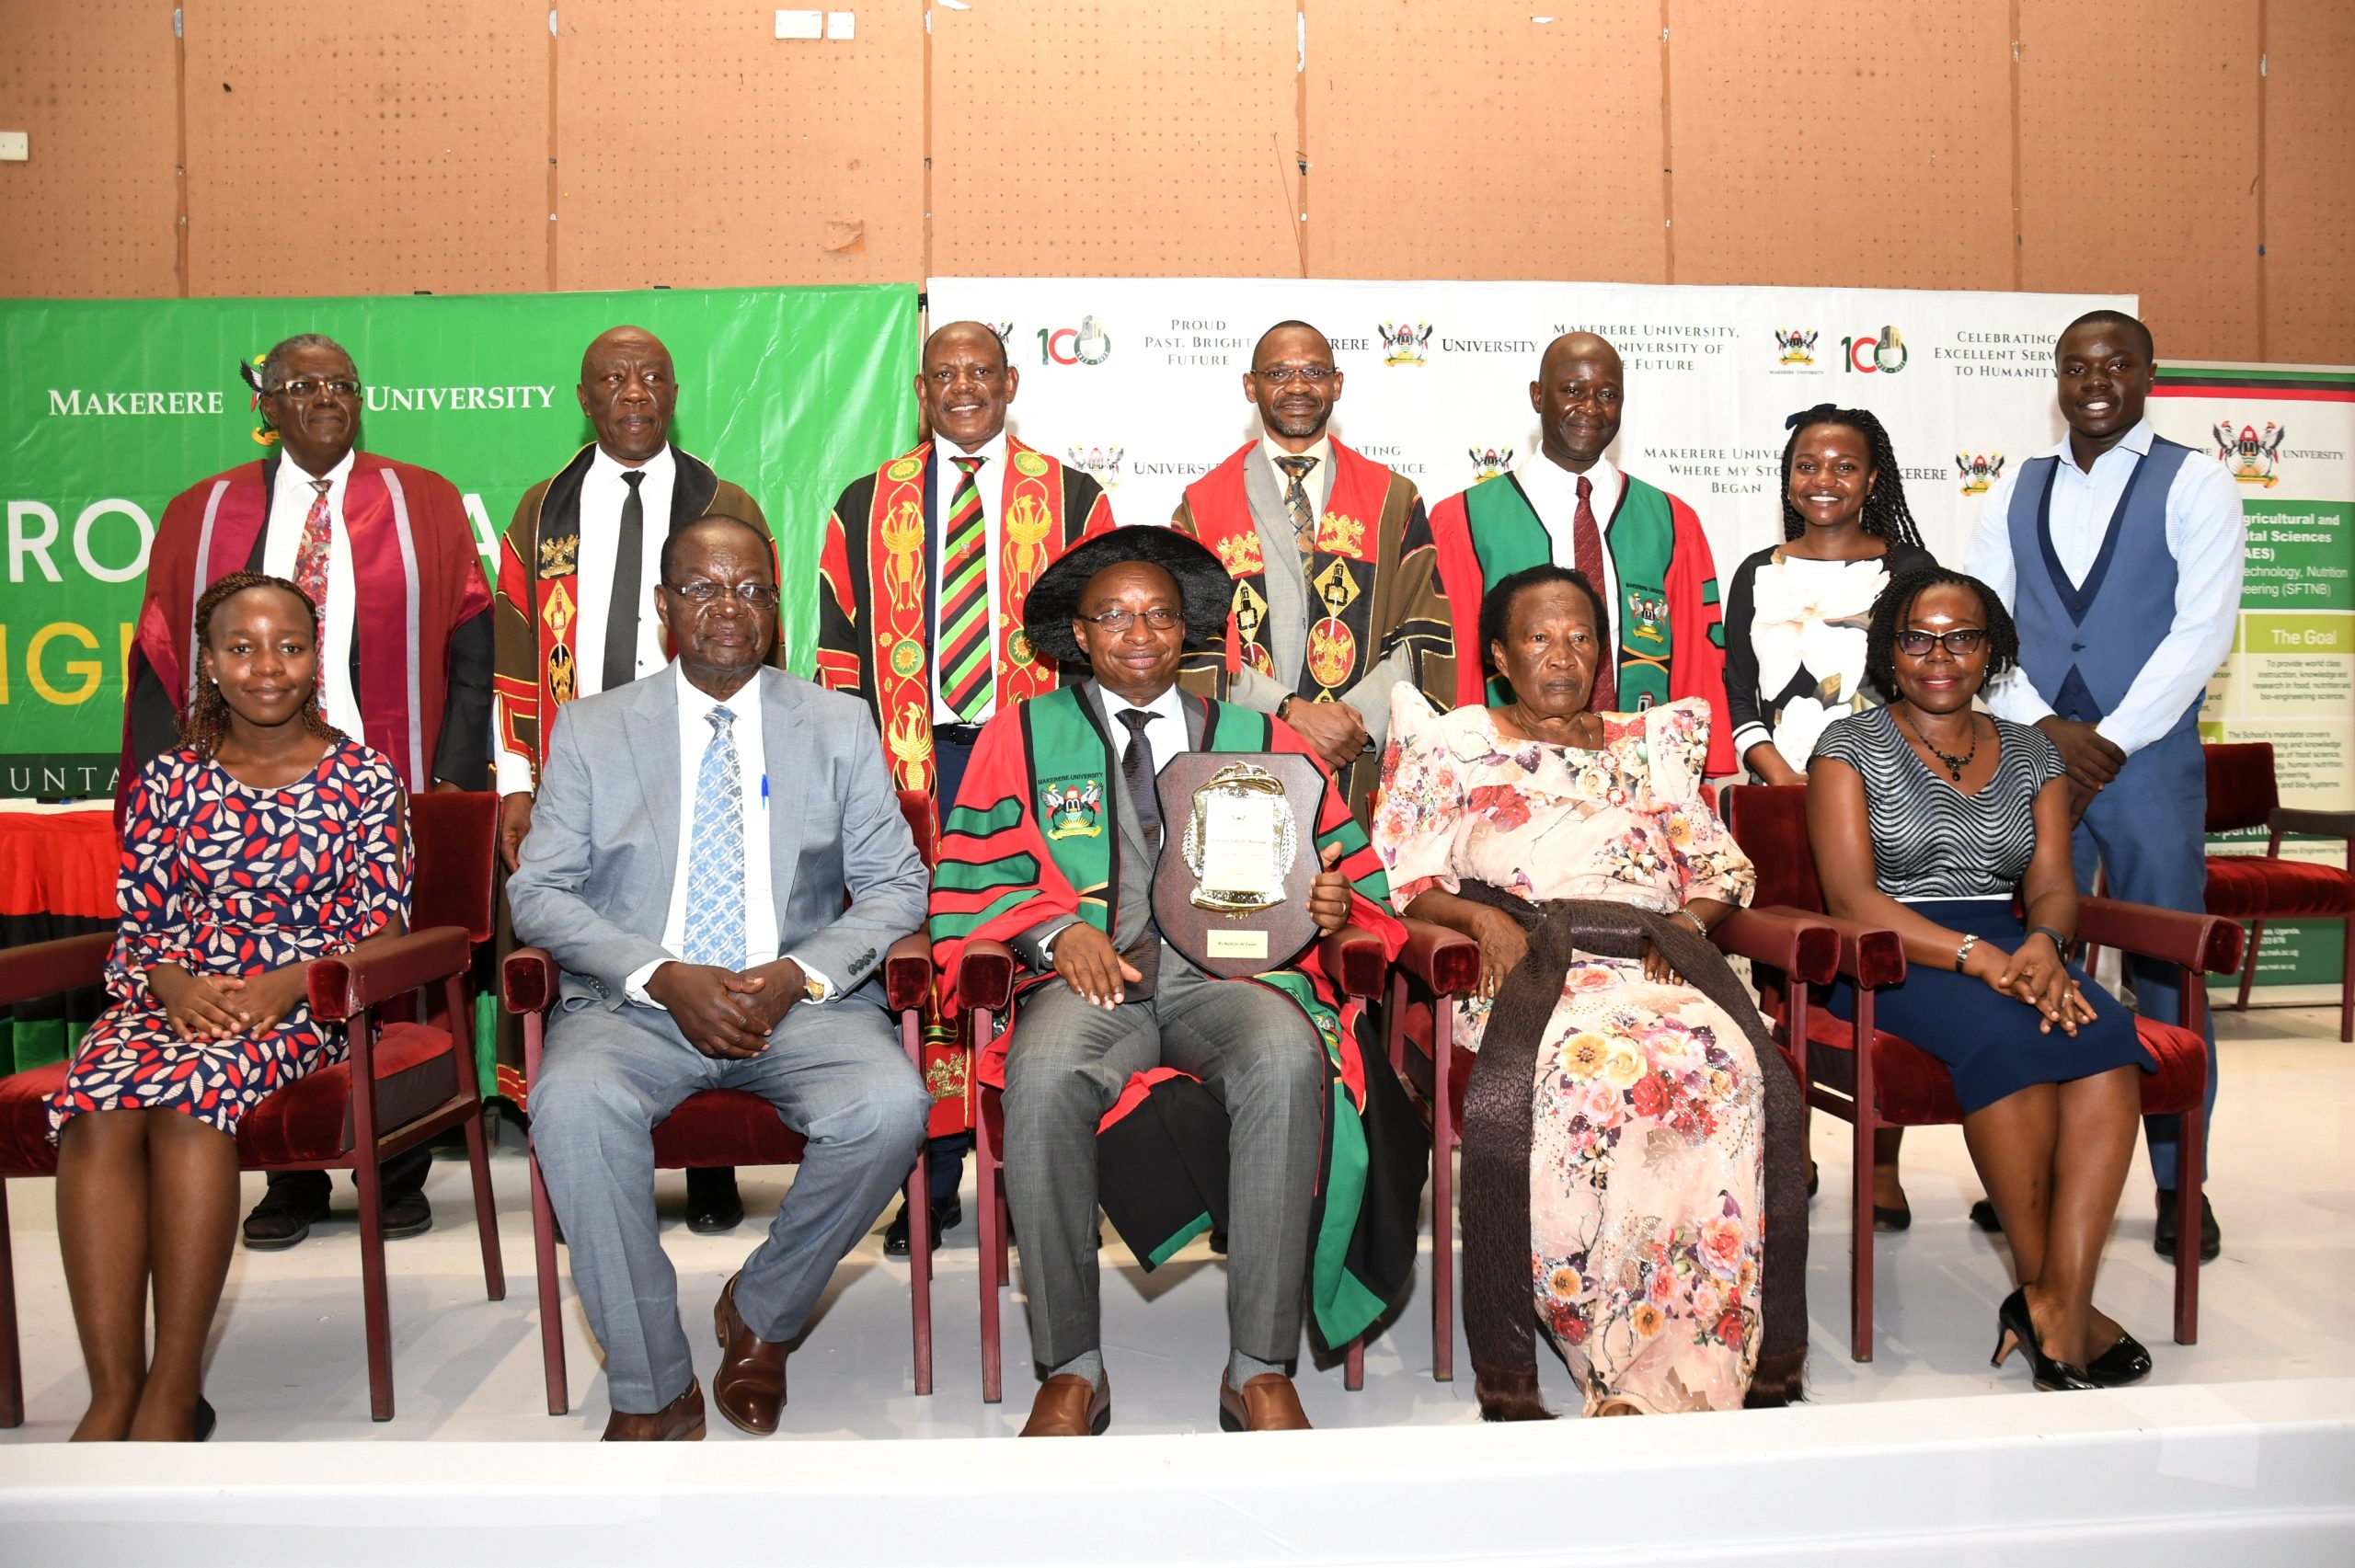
(287, 1363)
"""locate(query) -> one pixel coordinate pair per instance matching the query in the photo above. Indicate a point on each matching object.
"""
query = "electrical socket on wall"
(16, 146)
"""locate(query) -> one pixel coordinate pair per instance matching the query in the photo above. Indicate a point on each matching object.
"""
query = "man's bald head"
(978, 334)
(1294, 381)
(1577, 394)
(629, 391)
(965, 383)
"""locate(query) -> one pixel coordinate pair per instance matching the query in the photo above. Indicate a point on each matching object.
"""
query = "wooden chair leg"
(985, 1166)
(2347, 987)
(1442, 1194)
(1860, 1235)
(375, 1309)
(1353, 1366)
(2192, 1158)
(551, 1292)
(2248, 967)
(494, 1271)
(920, 1266)
(12, 1370)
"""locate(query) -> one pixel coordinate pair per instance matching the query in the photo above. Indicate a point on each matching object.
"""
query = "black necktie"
(621, 615)
(1136, 770)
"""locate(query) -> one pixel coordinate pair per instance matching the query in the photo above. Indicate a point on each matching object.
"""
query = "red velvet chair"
(2255, 888)
(986, 985)
(1439, 966)
(731, 1127)
(405, 1082)
(1895, 1083)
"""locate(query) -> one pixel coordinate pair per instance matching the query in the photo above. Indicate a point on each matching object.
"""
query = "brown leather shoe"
(680, 1421)
(1070, 1406)
(1267, 1403)
(749, 1388)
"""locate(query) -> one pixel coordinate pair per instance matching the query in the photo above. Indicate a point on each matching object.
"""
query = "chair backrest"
(923, 821)
(2241, 792)
(455, 840)
(1769, 821)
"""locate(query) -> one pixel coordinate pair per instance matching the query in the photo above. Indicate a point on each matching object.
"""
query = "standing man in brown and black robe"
(577, 570)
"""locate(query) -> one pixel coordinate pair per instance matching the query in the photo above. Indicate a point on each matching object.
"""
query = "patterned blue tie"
(715, 932)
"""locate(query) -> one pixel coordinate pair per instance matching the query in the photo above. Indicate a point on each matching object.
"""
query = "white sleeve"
(2209, 538)
(1988, 558)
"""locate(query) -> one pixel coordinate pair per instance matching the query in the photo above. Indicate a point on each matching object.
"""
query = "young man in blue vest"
(2119, 555)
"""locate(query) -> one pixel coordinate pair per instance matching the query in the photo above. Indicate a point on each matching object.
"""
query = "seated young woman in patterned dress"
(266, 840)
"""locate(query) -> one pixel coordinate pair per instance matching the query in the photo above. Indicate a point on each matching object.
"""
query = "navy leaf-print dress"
(222, 879)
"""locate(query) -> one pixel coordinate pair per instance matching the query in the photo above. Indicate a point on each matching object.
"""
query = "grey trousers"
(1067, 1064)
(835, 1073)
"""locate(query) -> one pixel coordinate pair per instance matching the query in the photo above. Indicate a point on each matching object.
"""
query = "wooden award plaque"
(1232, 890)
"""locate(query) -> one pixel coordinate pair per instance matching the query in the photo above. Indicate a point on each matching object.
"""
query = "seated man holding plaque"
(1053, 848)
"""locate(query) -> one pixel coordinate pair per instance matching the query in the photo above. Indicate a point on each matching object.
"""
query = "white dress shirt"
(2205, 534)
(290, 505)
(1554, 491)
(752, 775)
(1317, 481)
(603, 491)
(989, 483)
(1165, 734)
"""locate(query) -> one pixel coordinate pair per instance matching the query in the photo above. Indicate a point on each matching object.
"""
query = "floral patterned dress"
(1646, 1190)
(222, 879)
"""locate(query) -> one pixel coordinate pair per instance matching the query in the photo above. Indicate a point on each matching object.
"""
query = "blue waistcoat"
(2081, 645)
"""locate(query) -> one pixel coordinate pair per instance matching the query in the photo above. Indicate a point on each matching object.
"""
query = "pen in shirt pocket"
(765, 791)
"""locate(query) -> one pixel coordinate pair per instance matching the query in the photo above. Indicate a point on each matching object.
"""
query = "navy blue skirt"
(1990, 1042)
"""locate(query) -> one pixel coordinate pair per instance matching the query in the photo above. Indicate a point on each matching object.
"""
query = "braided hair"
(1885, 514)
(206, 717)
(1896, 602)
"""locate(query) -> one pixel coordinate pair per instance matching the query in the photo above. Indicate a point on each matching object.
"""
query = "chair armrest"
(44, 969)
(2172, 936)
(907, 973)
(1802, 946)
(527, 981)
(1446, 962)
(1871, 955)
(986, 977)
(2323, 824)
(341, 987)
(1353, 959)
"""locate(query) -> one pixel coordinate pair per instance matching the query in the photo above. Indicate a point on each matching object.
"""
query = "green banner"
(114, 406)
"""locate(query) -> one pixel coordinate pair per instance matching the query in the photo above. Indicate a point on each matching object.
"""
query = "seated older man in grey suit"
(706, 945)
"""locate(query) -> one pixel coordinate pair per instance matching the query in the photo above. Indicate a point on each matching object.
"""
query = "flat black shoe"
(944, 1216)
(713, 1203)
(1892, 1219)
(2123, 1363)
(2211, 1239)
(2015, 1327)
(1983, 1215)
(206, 1420)
(1218, 1243)
(283, 1216)
(407, 1215)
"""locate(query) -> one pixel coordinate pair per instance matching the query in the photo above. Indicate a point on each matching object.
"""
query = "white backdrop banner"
(1139, 380)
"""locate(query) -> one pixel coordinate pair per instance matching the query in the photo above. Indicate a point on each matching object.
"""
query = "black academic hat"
(1203, 586)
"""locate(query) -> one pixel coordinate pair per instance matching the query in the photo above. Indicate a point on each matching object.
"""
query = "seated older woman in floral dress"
(1645, 1172)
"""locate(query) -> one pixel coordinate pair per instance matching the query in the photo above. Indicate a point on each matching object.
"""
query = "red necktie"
(1586, 546)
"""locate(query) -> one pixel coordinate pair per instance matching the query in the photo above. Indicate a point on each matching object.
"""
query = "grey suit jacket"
(593, 885)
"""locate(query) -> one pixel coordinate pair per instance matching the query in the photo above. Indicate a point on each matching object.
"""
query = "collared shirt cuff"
(826, 990)
(634, 986)
(514, 772)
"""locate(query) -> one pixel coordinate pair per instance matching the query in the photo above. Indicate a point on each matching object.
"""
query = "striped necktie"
(965, 677)
(1303, 520)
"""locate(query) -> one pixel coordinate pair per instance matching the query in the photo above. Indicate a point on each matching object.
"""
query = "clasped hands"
(1336, 729)
(725, 1015)
(2035, 975)
(1504, 942)
(1098, 976)
(222, 1007)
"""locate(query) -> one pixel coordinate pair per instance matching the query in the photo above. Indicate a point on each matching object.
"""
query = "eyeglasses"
(703, 591)
(1160, 618)
(1283, 374)
(1962, 642)
(304, 389)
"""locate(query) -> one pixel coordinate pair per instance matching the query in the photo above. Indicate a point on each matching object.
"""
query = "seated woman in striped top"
(1925, 817)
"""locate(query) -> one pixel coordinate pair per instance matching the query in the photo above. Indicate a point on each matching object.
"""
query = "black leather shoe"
(944, 1216)
(285, 1215)
(2123, 1363)
(2015, 1329)
(1982, 1214)
(407, 1215)
(2211, 1239)
(713, 1203)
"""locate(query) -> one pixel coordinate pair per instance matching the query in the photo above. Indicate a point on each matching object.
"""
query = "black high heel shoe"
(2015, 1327)
(2123, 1363)
(207, 1419)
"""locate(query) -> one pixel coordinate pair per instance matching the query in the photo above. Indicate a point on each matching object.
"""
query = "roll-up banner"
(113, 406)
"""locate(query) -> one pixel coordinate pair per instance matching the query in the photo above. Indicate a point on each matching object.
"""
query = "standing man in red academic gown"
(411, 679)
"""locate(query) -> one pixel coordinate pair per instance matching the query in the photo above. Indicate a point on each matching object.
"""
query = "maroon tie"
(1586, 546)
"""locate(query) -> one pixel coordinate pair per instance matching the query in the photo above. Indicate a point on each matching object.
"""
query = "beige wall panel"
(697, 149)
(1102, 136)
(1460, 140)
(2310, 182)
(1866, 145)
(91, 214)
(2139, 162)
(351, 149)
